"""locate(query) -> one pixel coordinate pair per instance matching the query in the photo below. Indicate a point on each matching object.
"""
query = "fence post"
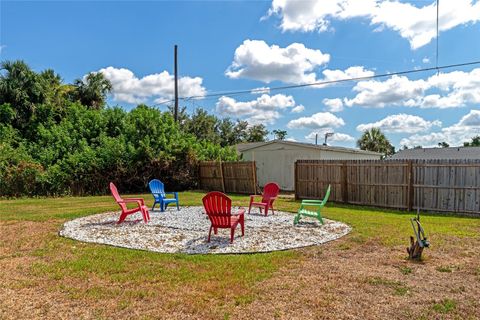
(410, 193)
(199, 174)
(344, 183)
(254, 173)
(221, 175)
(295, 178)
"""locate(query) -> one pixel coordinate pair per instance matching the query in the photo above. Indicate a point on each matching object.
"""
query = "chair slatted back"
(117, 197)
(218, 208)
(157, 187)
(270, 190)
(327, 195)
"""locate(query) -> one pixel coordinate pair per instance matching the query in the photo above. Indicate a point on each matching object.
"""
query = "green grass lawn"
(115, 279)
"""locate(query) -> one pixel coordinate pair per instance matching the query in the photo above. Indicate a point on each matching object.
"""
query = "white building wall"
(276, 162)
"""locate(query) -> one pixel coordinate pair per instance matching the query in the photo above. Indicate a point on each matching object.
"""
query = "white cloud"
(255, 59)
(445, 90)
(455, 135)
(349, 73)
(393, 91)
(333, 105)
(416, 24)
(260, 90)
(427, 141)
(159, 86)
(354, 72)
(317, 121)
(400, 123)
(472, 119)
(426, 60)
(265, 109)
(298, 109)
(338, 137)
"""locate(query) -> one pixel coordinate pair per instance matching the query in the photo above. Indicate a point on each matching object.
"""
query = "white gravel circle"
(186, 231)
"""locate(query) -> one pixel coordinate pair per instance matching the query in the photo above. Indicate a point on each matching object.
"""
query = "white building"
(275, 160)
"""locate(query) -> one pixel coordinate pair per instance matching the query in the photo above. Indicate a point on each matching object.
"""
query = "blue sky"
(242, 45)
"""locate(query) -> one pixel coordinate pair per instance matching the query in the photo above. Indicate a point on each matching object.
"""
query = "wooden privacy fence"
(432, 185)
(232, 177)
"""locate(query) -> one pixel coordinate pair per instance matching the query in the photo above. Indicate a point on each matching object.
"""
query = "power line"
(436, 57)
(323, 83)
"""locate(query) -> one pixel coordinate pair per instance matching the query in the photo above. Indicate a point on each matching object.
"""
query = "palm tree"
(92, 90)
(280, 134)
(21, 88)
(375, 140)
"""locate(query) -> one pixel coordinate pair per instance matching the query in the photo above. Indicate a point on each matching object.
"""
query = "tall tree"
(92, 90)
(257, 133)
(203, 125)
(443, 144)
(21, 88)
(375, 140)
(241, 131)
(227, 133)
(280, 134)
(474, 143)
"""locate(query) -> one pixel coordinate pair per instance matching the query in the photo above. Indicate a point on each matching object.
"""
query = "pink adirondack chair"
(122, 202)
(270, 193)
(219, 210)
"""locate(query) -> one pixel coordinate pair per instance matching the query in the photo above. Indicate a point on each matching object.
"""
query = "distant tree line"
(222, 131)
(375, 140)
(58, 138)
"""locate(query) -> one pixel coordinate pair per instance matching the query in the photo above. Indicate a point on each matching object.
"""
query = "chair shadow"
(308, 224)
(200, 244)
(257, 214)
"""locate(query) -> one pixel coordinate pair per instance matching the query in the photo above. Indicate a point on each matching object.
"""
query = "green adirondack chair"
(303, 211)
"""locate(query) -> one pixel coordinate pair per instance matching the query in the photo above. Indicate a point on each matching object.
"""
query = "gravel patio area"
(186, 231)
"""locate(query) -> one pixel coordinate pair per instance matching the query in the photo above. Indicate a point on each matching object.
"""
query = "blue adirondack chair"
(158, 191)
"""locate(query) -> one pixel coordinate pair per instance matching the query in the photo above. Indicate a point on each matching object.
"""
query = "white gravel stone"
(186, 231)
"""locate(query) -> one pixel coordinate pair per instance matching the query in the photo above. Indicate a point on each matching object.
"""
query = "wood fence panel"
(228, 177)
(432, 185)
(210, 176)
(313, 179)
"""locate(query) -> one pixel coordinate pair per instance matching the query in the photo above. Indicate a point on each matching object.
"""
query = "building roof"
(244, 146)
(468, 153)
(250, 146)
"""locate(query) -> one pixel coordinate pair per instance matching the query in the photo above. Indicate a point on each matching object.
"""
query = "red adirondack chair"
(270, 193)
(219, 210)
(123, 205)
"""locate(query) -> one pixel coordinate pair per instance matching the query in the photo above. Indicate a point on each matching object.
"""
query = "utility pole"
(175, 112)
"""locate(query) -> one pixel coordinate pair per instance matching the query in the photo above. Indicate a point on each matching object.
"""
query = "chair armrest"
(139, 203)
(317, 204)
(312, 201)
(240, 212)
(252, 197)
(136, 199)
(174, 193)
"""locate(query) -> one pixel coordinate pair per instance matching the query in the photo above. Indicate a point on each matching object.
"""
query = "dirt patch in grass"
(45, 276)
(374, 282)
